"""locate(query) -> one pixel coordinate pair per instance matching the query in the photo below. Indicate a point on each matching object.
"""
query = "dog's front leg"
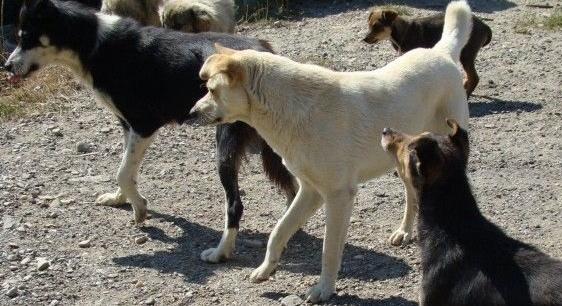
(117, 198)
(339, 206)
(128, 174)
(403, 234)
(306, 203)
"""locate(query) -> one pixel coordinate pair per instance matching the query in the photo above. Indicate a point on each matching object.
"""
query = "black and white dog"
(147, 77)
(466, 259)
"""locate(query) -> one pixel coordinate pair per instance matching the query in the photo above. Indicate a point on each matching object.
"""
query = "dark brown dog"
(410, 33)
(466, 260)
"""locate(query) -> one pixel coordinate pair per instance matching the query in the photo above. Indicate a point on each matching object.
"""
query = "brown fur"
(410, 33)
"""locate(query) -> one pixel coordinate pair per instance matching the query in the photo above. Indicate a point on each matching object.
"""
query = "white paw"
(319, 293)
(214, 255)
(400, 237)
(262, 273)
(111, 199)
(140, 211)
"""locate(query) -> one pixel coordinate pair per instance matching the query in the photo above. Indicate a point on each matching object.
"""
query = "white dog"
(326, 124)
(199, 15)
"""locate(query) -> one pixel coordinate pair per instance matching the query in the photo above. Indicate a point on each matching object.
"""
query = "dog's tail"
(457, 29)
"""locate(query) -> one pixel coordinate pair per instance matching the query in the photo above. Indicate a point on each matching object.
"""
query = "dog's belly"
(105, 100)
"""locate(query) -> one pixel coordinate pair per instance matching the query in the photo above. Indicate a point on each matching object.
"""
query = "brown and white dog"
(144, 11)
(406, 34)
(323, 124)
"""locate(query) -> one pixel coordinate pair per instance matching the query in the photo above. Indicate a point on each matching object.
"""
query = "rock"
(141, 240)
(105, 130)
(57, 132)
(12, 245)
(12, 292)
(85, 243)
(253, 243)
(8, 222)
(42, 263)
(150, 301)
(84, 147)
(291, 300)
(54, 303)
(25, 261)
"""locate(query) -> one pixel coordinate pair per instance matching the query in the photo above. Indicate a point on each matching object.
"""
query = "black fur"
(466, 259)
(152, 77)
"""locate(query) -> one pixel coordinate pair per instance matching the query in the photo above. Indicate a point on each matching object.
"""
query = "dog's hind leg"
(117, 198)
(339, 205)
(128, 174)
(231, 142)
(472, 78)
(403, 234)
(306, 203)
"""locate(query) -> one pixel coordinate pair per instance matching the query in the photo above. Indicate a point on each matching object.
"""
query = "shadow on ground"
(322, 8)
(303, 255)
(498, 106)
(347, 299)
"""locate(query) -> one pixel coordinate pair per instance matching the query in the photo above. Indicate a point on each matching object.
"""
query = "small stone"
(57, 132)
(105, 130)
(25, 261)
(141, 240)
(291, 300)
(54, 303)
(253, 243)
(85, 243)
(84, 147)
(12, 292)
(42, 263)
(489, 126)
(150, 301)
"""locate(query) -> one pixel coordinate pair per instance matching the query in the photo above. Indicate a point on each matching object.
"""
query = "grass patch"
(42, 91)
(553, 22)
(261, 10)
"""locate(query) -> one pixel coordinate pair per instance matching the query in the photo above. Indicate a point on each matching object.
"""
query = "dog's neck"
(400, 29)
(279, 107)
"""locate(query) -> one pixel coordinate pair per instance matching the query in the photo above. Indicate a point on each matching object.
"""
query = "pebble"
(85, 243)
(13, 245)
(291, 300)
(25, 261)
(57, 132)
(141, 240)
(54, 303)
(84, 147)
(253, 243)
(150, 301)
(42, 263)
(12, 292)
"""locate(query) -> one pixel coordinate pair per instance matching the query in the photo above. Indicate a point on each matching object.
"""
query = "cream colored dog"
(326, 124)
(199, 15)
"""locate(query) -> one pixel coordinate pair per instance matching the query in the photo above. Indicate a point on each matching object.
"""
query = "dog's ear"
(224, 50)
(459, 137)
(426, 160)
(223, 63)
(388, 16)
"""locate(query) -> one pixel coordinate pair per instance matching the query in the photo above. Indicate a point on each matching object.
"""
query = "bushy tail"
(457, 29)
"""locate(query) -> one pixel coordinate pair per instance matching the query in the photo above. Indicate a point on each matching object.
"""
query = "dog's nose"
(8, 66)
(386, 131)
(193, 114)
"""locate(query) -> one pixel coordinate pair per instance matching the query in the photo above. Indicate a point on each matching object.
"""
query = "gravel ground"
(57, 247)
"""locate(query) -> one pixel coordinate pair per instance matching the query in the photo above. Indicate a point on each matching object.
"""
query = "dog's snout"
(193, 113)
(8, 66)
(386, 131)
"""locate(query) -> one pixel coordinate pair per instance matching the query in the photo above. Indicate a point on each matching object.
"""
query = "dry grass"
(43, 91)
(400, 9)
(261, 10)
(552, 22)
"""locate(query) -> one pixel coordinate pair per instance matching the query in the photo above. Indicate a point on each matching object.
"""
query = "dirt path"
(47, 188)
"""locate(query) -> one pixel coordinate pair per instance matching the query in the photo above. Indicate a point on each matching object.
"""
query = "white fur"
(135, 148)
(326, 125)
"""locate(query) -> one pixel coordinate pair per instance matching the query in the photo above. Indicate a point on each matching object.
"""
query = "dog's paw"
(214, 255)
(141, 213)
(262, 273)
(111, 199)
(400, 237)
(319, 293)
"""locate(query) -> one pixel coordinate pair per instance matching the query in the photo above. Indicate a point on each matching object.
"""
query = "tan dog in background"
(199, 15)
(192, 16)
(324, 123)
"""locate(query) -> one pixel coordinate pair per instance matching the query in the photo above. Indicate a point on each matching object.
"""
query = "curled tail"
(456, 30)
